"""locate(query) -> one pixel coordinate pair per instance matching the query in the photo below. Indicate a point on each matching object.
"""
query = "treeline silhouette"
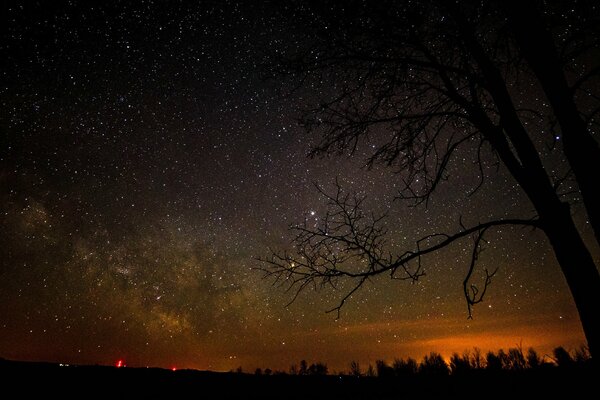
(503, 374)
(514, 359)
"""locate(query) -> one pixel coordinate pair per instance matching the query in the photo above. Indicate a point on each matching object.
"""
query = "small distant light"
(557, 137)
(173, 369)
(119, 364)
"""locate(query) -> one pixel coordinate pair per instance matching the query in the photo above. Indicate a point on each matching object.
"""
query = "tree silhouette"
(355, 369)
(294, 369)
(582, 355)
(433, 364)
(476, 359)
(303, 368)
(384, 370)
(405, 367)
(562, 357)
(318, 369)
(422, 83)
(370, 371)
(516, 359)
(533, 359)
(460, 364)
(493, 361)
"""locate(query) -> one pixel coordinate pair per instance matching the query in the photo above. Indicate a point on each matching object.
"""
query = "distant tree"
(294, 369)
(533, 359)
(433, 364)
(268, 371)
(582, 355)
(460, 364)
(404, 368)
(239, 370)
(303, 368)
(516, 359)
(504, 359)
(562, 357)
(493, 361)
(476, 359)
(258, 371)
(427, 84)
(355, 369)
(317, 369)
(383, 370)
(370, 371)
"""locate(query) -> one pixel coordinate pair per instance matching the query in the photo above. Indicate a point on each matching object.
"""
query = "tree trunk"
(580, 148)
(582, 153)
(579, 270)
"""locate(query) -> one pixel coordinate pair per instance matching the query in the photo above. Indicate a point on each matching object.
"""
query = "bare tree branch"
(473, 295)
(349, 244)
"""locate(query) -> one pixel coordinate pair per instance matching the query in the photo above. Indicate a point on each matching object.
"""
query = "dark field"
(43, 380)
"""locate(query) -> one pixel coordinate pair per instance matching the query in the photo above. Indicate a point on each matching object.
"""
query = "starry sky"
(145, 163)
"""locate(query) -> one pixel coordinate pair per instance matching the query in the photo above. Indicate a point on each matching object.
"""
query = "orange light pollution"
(367, 343)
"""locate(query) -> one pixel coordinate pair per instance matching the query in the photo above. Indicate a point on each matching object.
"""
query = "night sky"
(145, 162)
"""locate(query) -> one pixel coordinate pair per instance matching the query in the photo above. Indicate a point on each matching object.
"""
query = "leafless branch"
(348, 244)
(473, 295)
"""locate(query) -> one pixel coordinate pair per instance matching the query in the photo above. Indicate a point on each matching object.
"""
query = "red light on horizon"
(173, 369)
(119, 364)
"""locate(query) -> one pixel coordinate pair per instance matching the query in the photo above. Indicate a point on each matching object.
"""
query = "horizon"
(578, 355)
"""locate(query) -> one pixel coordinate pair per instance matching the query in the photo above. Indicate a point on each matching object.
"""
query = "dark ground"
(43, 380)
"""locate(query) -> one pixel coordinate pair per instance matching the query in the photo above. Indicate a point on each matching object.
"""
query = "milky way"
(146, 161)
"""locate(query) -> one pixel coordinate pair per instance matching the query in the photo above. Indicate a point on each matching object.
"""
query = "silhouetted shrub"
(433, 364)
